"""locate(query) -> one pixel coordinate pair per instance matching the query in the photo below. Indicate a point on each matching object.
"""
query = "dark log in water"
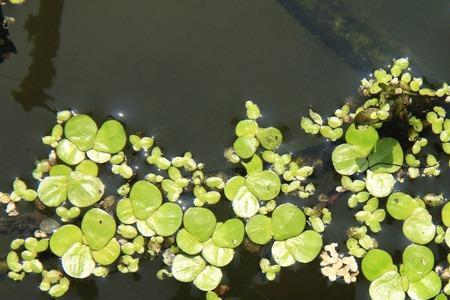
(343, 32)
(6, 46)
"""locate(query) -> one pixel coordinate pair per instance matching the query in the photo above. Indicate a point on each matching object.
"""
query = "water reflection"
(6, 46)
(43, 31)
(344, 33)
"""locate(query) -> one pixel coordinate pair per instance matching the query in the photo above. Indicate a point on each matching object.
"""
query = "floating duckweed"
(246, 127)
(52, 190)
(145, 198)
(77, 262)
(150, 225)
(387, 156)
(98, 228)
(401, 205)
(417, 262)
(305, 247)
(349, 159)
(69, 153)
(200, 222)
(124, 211)
(387, 287)
(245, 146)
(379, 184)
(287, 221)
(166, 220)
(111, 137)
(81, 130)
(418, 227)
(245, 204)
(270, 137)
(188, 243)
(428, 287)
(229, 234)
(375, 263)
(265, 185)
(107, 255)
(215, 255)
(259, 229)
(84, 190)
(186, 269)
(208, 279)
(63, 238)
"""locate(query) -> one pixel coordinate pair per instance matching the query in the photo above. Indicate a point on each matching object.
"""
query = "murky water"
(181, 70)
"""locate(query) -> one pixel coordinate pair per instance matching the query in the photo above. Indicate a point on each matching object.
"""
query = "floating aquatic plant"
(171, 210)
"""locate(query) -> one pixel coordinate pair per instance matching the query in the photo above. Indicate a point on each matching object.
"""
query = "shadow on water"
(6, 45)
(344, 33)
(46, 40)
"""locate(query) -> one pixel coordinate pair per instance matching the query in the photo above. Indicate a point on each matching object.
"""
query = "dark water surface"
(181, 70)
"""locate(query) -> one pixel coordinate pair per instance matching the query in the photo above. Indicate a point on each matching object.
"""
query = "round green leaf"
(88, 167)
(81, 130)
(229, 234)
(186, 269)
(109, 254)
(245, 146)
(111, 137)
(245, 204)
(306, 246)
(348, 159)
(379, 184)
(98, 228)
(232, 186)
(445, 213)
(166, 220)
(364, 137)
(401, 205)
(145, 198)
(200, 222)
(426, 288)
(387, 156)
(124, 211)
(216, 255)
(60, 170)
(417, 262)
(246, 127)
(52, 191)
(64, 237)
(208, 279)
(265, 185)
(259, 229)
(281, 254)
(418, 227)
(188, 243)
(77, 262)
(69, 153)
(84, 190)
(270, 137)
(376, 263)
(387, 287)
(287, 221)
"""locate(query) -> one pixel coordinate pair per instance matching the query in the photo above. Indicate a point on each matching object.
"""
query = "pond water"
(180, 71)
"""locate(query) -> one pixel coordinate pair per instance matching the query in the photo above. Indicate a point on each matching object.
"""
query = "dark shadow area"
(344, 33)
(6, 45)
(45, 38)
